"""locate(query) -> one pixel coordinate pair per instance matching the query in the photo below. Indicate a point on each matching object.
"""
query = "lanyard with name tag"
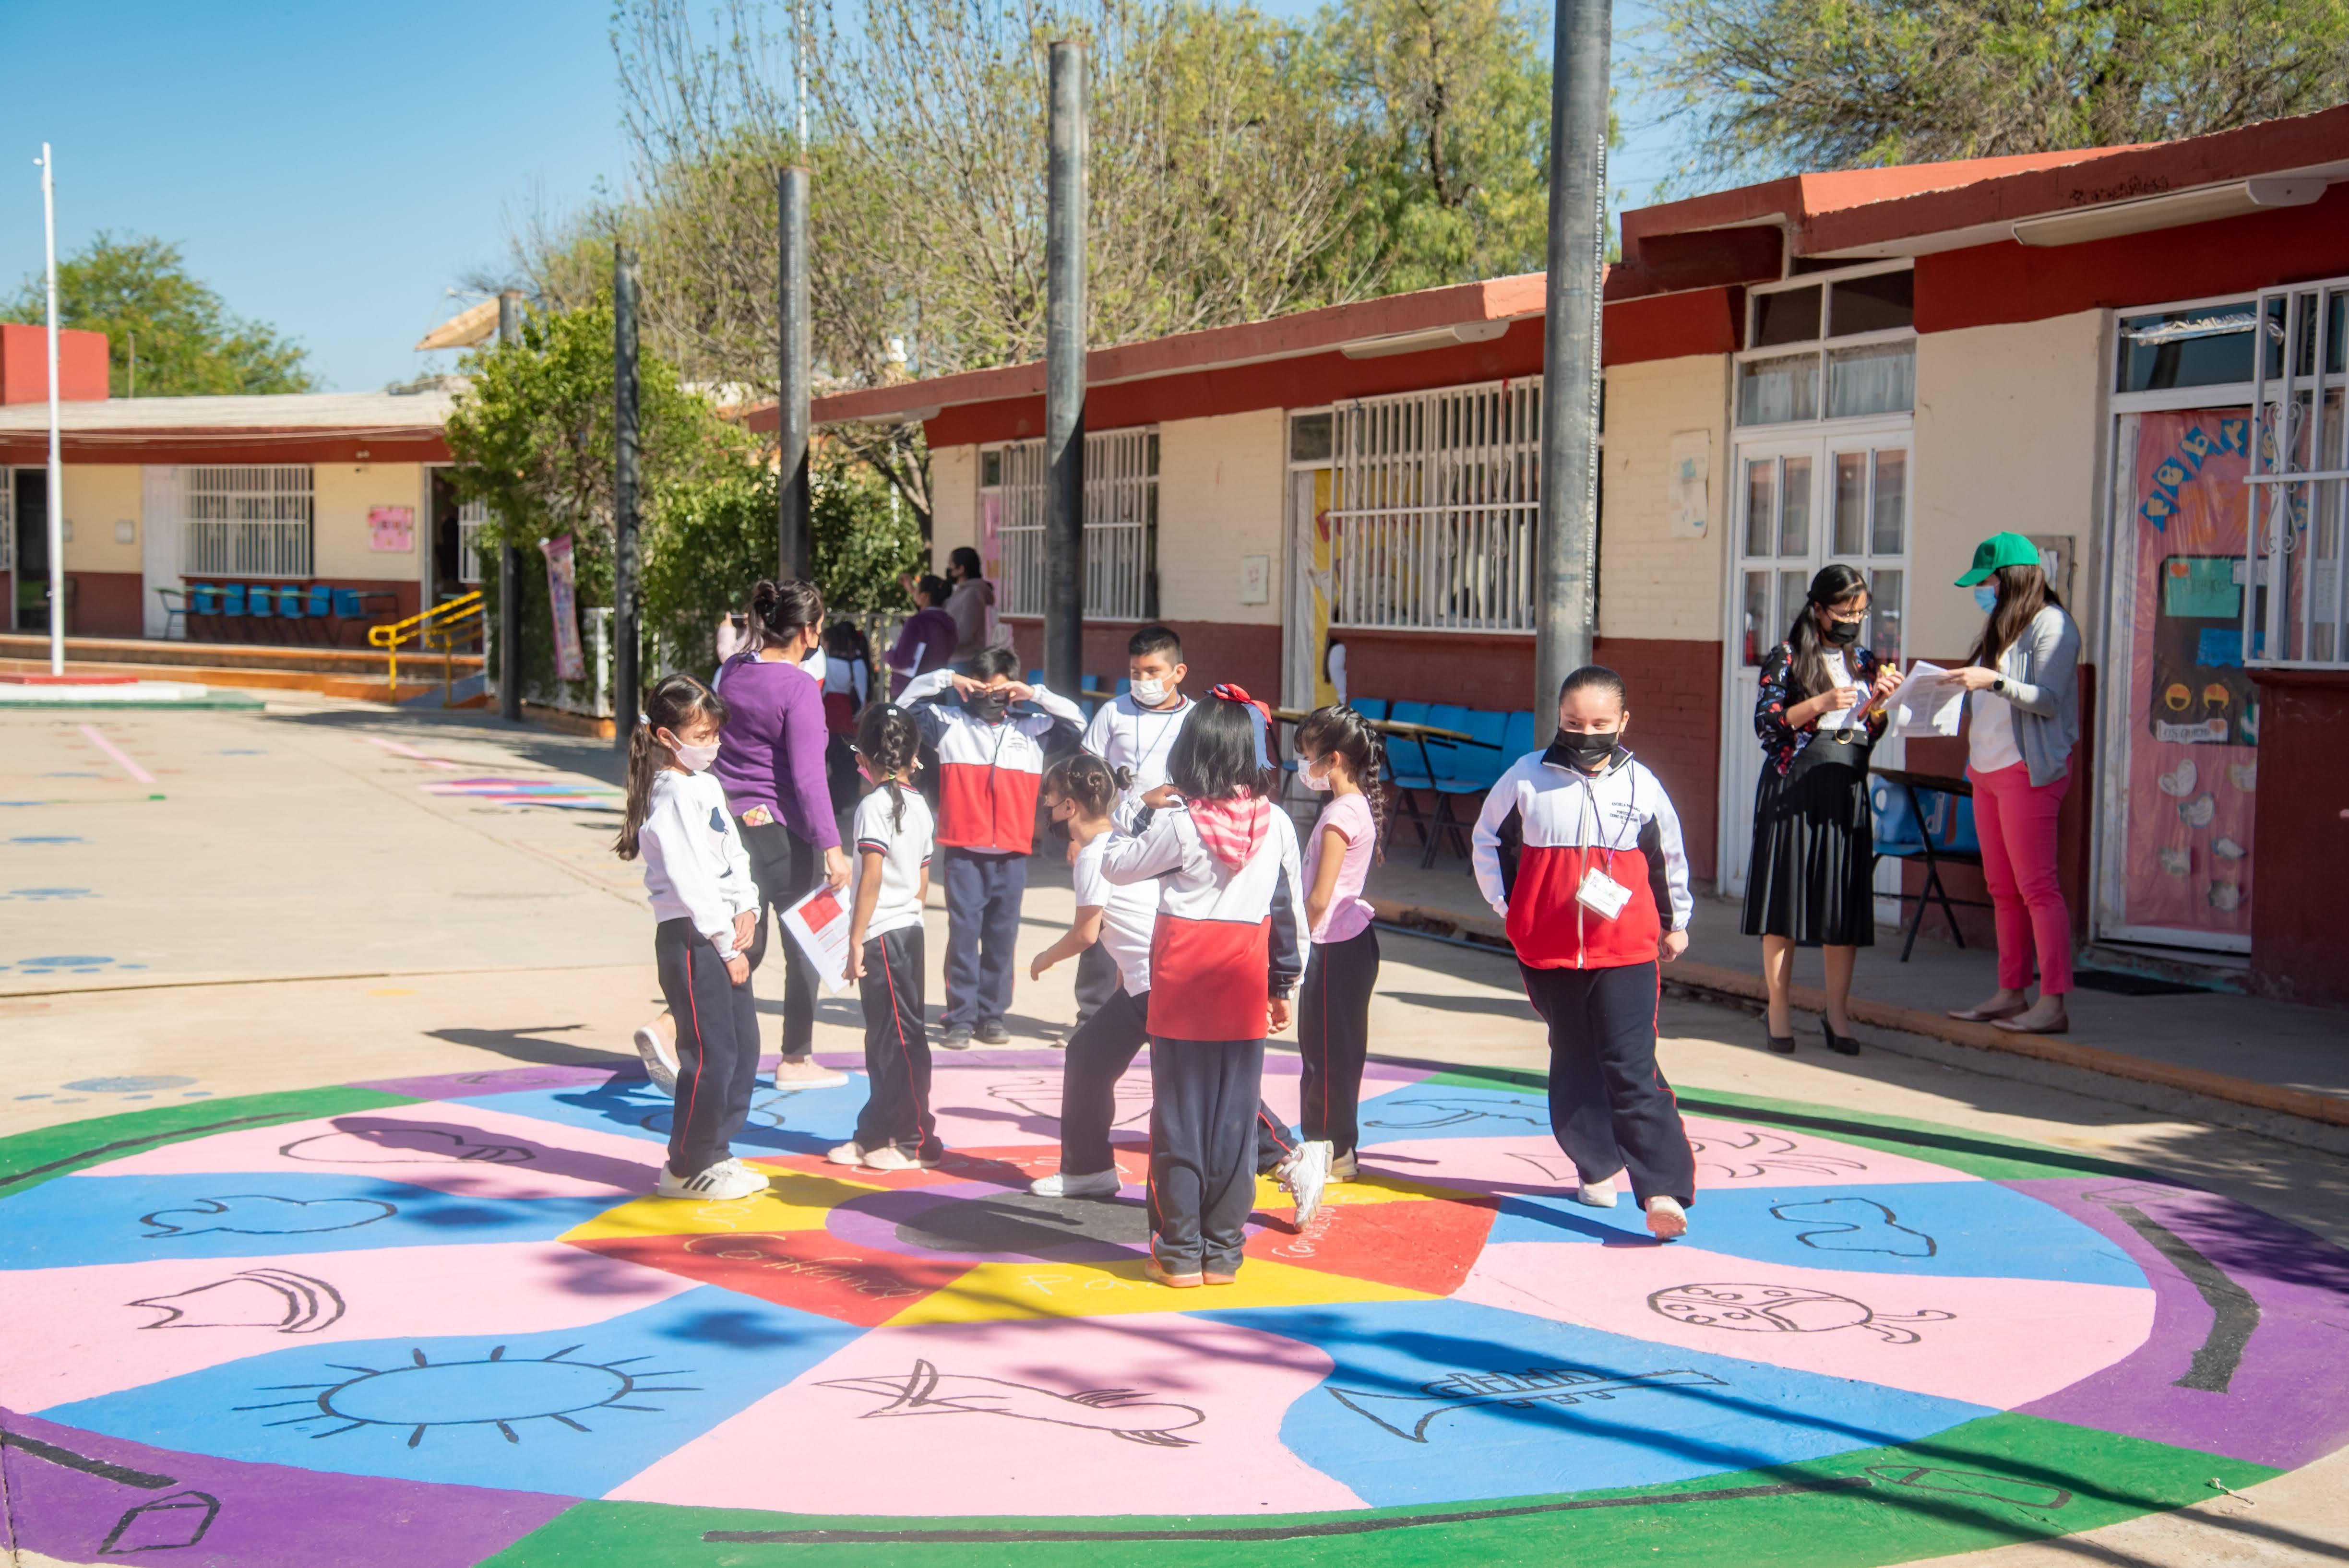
(1599, 894)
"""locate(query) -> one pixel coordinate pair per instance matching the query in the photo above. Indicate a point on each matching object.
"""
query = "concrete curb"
(1739, 989)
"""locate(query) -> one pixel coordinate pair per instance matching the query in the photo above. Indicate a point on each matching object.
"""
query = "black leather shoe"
(1783, 1043)
(1841, 1044)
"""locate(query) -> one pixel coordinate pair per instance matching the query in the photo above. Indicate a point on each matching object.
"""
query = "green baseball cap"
(2000, 550)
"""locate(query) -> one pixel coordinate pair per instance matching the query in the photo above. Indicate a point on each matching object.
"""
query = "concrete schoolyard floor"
(205, 905)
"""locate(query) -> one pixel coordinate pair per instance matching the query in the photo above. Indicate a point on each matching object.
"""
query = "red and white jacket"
(988, 774)
(1228, 936)
(1545, 824)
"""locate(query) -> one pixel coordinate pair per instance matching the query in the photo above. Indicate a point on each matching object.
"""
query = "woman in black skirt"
(1811, 881)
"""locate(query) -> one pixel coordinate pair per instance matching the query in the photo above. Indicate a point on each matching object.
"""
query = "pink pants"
(2017, 824)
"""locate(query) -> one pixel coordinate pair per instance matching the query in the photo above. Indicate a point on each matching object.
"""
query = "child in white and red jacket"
(1578, 850)
(1224, 959)
(990, 767)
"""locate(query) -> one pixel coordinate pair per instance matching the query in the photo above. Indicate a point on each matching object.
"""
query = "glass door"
(1801, 503)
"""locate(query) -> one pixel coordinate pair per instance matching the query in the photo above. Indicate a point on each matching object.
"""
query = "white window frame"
(1120, 523)
(247, 520)
(1431, 534)
(472, 517)
(2284, 484)
(1819, 348)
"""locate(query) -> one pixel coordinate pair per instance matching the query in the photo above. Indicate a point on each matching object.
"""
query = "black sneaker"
(991, 1032)
(954, 1039)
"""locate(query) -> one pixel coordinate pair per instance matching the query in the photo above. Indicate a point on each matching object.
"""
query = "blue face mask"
(1986, 595)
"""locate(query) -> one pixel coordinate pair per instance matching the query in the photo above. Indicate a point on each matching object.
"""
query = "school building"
(337, 490)
(2133, 355)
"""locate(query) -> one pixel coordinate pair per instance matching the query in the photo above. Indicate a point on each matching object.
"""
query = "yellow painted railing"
(435, 628)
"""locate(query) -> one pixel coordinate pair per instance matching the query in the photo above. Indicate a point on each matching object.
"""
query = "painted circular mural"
(434, 1321)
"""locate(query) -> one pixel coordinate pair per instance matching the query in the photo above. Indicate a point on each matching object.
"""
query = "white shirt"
(905, 850)
(695, 865)
(1129, 915)
(1124, 734)
(1990, 743)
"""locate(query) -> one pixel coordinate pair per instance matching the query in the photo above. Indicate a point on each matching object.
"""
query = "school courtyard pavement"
(314, 1022)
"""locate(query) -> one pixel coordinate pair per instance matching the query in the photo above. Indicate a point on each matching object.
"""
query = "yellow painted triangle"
(792, 1201)
(999, 1292)
(1368, 1188)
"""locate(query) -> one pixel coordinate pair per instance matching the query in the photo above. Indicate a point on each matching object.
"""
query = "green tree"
(1776, 85)
(138, 292)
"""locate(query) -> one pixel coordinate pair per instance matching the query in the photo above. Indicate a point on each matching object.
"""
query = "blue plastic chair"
(232, 606)
(1517, 738)
(1413, 771)
(1371, 707)
(292, 608)
(1464, 768)
(1920, 819)
(203, 609)
(1124, 684)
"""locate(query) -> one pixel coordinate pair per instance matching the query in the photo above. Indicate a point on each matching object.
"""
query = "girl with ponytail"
(699, 880)
(1338, 754)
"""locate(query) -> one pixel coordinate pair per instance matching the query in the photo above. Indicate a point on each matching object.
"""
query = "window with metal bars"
(1435, 503)
(470, 517)
(1120, 524)
(2297, 613)
(246, 522)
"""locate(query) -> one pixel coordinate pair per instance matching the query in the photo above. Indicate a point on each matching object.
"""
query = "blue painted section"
(133, 1219)
(1450, 1110)
(505, 1410)
(797, 1121)
(1443, 1400)
(1974, 1230)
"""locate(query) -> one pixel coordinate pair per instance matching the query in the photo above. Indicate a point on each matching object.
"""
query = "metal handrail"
(439, 619)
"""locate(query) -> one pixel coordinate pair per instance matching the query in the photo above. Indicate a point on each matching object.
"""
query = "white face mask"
(692, 759)
(1149, 693)
(1317, 783)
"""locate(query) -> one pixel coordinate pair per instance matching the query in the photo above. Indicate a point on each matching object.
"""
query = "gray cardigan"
(2040, 676)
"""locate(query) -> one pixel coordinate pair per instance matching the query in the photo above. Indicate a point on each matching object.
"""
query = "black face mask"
(986, 709)
(1584, 751)
(1843, 633)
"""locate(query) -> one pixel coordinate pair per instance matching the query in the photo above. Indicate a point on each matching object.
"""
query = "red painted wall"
(106, 605)
(1471, 668)
(2300, 838)
(1675, 706)
(24, 365)
(1216, 651)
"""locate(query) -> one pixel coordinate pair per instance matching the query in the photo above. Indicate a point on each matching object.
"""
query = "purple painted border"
(2288, 1401)
(270, 1516)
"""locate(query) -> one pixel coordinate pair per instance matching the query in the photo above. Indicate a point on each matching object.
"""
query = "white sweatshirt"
(695, 866)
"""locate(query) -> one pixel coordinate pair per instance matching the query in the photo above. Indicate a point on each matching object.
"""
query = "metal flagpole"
(1065, 375)
(794, 548)
(625, 696)
(56, 449)
(509, 558)
(1565, 598)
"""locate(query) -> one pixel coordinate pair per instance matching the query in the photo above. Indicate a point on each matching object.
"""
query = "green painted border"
(29, 1159)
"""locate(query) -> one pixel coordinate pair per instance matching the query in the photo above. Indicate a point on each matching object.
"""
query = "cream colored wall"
(341, 494)
(1651, 584)
(954, 501)
(1220, 498)
(2011, 434)
(97, 496)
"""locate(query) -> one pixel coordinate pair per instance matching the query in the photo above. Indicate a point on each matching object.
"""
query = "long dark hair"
(781, 611)
(2022, 592)
(1836, 584)
(1344, 731)
(1214, 756)
(1092, 784)
(674, 702)
(887, 736)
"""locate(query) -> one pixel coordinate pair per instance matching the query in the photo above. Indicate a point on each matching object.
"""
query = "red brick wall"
(106, 605)
(2300, 840)
(1473, 669)
(1675, 707)
(1216, 651)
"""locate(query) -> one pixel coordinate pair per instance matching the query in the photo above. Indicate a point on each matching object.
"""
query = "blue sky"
(334, 170)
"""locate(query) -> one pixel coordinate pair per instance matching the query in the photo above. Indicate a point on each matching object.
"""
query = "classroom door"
(1306, 617)
(1800, 503)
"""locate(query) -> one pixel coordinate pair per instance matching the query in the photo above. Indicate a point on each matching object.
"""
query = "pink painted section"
(2004, 1342)
(466, 1149)
(989, 1105)
(1729, 1155)
(77, 1333)
(979, 1447)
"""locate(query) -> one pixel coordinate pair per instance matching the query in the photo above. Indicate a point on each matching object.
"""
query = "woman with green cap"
(2022, 705)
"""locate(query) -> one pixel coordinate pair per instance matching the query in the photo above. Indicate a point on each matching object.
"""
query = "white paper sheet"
(1928, 700)
(818, 926)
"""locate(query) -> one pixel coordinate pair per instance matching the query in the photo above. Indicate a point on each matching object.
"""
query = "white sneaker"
(844, 1154)
(1305, 1174)
(1069, 1184)
(661, 1057)
(1597, 1194)
(889, 1157)
(1667, 1221)
(1343, 1169)
(807, 1073)
(750, 1172)
(720, 1182)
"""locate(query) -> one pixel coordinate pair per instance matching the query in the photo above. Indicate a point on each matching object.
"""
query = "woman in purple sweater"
(770, 759)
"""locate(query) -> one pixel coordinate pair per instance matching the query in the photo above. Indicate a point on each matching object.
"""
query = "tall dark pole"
(624, 681)
(794, 549)
(509, 558)
(1064, 376)
(1566, 591)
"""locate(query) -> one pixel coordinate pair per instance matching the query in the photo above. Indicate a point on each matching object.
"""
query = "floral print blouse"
(1782, 742)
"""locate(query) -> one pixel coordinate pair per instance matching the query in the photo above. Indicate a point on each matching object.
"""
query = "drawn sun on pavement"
(491, 1391)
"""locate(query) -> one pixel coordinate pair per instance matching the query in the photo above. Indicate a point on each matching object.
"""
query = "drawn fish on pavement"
(1514, 1390)
(1121, 1412)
